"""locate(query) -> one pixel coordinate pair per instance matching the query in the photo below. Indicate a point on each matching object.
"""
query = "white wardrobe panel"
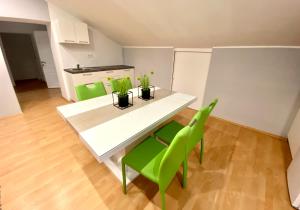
(294, 135)
(293, 174)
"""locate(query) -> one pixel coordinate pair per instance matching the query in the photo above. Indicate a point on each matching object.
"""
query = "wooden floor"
(43, 165)
(29, 85)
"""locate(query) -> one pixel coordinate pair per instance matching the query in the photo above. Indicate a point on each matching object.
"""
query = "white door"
(46, 58)
(190, 73)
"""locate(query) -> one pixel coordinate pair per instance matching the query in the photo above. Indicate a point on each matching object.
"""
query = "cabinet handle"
(70, 41)
(109, 72)
(84, 42)
(126, 70)
(87, 74)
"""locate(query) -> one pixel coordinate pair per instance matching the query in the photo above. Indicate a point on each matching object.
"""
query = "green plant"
(145, 81)
(122, 85)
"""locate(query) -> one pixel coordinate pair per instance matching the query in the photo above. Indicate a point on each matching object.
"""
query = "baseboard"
(244, 126)
(253, 129)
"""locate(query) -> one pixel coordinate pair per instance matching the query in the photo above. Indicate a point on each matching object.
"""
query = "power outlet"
(90, 55)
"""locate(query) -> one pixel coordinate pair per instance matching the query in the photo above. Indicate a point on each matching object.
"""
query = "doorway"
(28, 56)
(23, 63)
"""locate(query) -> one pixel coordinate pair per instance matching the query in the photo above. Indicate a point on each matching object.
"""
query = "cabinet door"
(66, 31)
(82, 33)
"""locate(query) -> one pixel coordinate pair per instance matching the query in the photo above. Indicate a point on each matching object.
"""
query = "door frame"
(48, 30)
(36, 55)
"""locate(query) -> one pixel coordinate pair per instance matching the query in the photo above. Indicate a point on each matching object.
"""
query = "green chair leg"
(163, 200)
(124, 177)
(202, 150)
(185, 170)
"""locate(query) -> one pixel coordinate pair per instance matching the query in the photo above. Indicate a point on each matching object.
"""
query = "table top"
(105, 129)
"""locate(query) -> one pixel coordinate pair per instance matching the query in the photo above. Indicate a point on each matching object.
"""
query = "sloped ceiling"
(191, 23)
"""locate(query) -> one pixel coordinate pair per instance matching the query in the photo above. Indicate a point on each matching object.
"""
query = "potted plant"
(145, 83)
(122, 92)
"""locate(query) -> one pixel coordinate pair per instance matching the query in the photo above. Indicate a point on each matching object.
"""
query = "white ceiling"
(192, 23)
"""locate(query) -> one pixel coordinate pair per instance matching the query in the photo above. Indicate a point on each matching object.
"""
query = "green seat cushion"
(145, 158)
(168, 132)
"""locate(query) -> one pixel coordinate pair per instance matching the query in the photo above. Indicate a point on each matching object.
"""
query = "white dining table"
(109, 132)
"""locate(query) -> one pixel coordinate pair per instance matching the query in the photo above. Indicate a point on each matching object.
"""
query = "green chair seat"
(145, 160)
(157, 162)
(169, 131)
(88, 91)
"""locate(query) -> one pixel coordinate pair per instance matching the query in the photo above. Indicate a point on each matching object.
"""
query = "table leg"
(115, 166)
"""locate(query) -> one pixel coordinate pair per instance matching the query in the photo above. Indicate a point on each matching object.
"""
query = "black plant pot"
(146, 93)
(123, 100)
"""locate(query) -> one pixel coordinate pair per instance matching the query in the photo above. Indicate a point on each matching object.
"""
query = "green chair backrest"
(85, 92)
(173, 158)
(115, 84)
(184, 141)
(197, 125)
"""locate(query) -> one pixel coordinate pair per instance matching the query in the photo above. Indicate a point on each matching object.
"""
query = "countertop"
(97, 68)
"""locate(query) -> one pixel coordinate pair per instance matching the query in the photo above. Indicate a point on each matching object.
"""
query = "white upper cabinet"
(72, 31)
(66, 31)
(82, 34)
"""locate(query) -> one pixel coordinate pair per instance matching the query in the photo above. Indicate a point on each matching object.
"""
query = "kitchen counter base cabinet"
(90, 77)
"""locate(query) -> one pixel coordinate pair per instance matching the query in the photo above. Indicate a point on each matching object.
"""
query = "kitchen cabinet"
(74, 79)
(66, 31)
(82, 34)
(70, 31)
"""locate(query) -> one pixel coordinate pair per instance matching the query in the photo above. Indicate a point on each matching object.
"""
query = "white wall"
(32, 11)
(256, 87)
(100, 52)
(9, 104)
(145, 60)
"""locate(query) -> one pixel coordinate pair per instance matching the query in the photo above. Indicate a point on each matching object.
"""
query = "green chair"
(88, 91)
(167, 133)
(157, 162)
(115, 84)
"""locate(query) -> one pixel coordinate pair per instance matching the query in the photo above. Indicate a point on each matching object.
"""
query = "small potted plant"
(145, 85)
(122, 92)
